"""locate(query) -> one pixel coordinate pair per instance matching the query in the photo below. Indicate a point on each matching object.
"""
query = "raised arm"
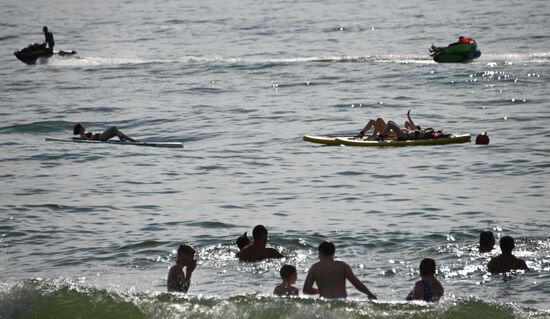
(357, 283)
(308, 284)
(411, 123)
(188, 272)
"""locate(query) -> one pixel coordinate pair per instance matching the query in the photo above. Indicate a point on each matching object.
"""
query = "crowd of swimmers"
(328, 276)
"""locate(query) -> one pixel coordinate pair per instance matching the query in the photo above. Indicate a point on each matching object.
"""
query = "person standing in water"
(330, 275)
(48, 38)
(429, 288)
(179, 281)
(289, 275)
(486, 241)
(257, 251)
(506, 261)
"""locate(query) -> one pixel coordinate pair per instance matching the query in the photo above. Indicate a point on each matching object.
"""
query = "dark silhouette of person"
(506, 261)
(243, 241)
(48, 38)
(331, 275)
(429, 288)
(258, 251)
(486, 241)
(178, 280)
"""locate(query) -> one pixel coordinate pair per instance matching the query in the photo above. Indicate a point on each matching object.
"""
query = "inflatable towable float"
(353, 141)
(465, 50)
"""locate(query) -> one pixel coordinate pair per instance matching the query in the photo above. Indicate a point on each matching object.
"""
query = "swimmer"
(178, 281)
(289, 276)
(429, 288)
(258, 251)
(330, 276)
(243, 241)
(506, 261)
(486, 241)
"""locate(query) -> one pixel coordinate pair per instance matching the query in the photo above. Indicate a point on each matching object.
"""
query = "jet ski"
(35, 51)
(456, 52)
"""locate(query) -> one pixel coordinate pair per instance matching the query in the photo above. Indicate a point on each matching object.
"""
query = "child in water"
(289, 276)
(429, 288)
(243, 241)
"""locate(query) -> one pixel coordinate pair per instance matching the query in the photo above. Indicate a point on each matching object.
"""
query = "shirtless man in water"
(109, 133)
(258, 251)
(331, 275)
(506, 261)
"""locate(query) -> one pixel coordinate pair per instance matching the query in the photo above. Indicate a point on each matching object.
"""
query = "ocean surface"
(89, 231)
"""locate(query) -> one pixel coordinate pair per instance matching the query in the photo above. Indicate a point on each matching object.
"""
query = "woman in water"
(109, 133)
(428, 288)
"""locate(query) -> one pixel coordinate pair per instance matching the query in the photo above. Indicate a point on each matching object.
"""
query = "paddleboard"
(117, 142)
(452, 139)
(325, 140)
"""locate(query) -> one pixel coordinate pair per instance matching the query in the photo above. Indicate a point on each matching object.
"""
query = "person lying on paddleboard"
(391, 130)
(109, 133)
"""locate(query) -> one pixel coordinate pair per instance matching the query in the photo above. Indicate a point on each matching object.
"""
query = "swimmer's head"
(185, 253)
(243, 241)
(288, 271)
(427, 267)
(486, 239)
(327, 248)
(45, 29)
(78, 128)
(259, 232)
(507, 244)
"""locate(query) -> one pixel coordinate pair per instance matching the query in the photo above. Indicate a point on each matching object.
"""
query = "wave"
(61, 299)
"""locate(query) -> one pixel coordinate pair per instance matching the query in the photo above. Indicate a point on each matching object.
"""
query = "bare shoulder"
(520, 263)
(314, 268)
(342, 265)
(273, 253)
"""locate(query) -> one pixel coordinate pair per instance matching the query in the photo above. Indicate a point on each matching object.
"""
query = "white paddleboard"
(117, 142)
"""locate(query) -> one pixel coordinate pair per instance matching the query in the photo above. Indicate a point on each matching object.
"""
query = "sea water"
(90, 231)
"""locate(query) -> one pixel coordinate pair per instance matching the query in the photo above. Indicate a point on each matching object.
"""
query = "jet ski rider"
(48, 38)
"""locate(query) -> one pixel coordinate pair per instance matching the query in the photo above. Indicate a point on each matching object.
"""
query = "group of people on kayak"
(390, 130)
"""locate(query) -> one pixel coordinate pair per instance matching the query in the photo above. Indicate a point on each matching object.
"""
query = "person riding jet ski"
(48, 38)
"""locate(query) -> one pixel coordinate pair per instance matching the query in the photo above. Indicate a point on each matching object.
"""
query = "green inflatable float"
(465, 50)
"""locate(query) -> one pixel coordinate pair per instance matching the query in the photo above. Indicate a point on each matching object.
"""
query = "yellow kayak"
(351, 141)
